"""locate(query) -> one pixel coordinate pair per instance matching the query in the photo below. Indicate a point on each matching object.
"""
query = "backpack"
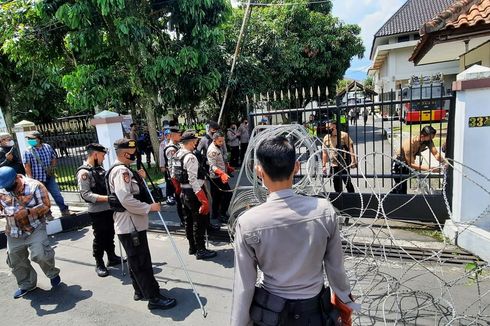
(181, 174)
(98, 174)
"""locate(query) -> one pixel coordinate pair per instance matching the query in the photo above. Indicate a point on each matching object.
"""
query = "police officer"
(24, 203)
(92, 187)
(290, 238)
(130, 200)
(190, 177)
(218, 168)
(168, 153)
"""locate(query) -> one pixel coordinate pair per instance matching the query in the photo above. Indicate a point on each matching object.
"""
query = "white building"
(395, 42)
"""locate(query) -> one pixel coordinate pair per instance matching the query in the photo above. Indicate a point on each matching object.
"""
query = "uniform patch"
(213, 154)
(85, 176)
(251, 238)
(126, 177)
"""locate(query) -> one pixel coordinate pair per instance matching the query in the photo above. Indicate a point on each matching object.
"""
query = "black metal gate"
(378, 128)
(68, 137)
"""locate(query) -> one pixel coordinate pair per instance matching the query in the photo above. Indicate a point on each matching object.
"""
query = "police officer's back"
(288, 237)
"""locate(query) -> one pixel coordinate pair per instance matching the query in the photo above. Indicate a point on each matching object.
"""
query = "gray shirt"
(244, 134)
(86, 182)
(215, 160)
(288, 238)
(204, 143)
(232, 138)
(123, 184)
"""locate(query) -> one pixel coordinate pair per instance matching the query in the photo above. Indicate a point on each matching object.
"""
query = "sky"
(370, 15)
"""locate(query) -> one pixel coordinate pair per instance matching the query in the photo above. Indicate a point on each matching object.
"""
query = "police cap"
(174, 129)
(188, 135)
(213, 125)
(124, 143)
(96, 147)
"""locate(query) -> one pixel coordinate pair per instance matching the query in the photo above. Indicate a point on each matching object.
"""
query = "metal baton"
(204, 312)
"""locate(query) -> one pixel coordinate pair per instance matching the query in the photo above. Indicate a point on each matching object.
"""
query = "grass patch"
(414, 129)
(435, 234)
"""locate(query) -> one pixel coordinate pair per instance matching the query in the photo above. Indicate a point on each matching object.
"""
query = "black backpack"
(98, 174)
(181, 174)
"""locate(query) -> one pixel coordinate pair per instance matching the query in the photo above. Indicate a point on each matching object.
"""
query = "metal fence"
(377, 128)
(68, 137)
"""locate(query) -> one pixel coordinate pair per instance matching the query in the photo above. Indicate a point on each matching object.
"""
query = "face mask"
(329, 131)
(96, 162)
(32, 142)
(131, 157)
(10, 143)
(12, 187)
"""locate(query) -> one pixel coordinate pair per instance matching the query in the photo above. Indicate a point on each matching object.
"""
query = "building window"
(404, 38)
(416, 36)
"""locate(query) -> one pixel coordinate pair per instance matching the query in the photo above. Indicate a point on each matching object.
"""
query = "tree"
(291, 46)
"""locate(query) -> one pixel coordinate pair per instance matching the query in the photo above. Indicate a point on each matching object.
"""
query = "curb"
(62, 224)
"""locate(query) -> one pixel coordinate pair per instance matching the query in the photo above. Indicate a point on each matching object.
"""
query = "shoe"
(21, 292)
(114, 260)
(138, 296)
(223, 219)
(213, 227)
(101, 271)
(161, 302)
(49, 216)
(66, 212)
(170, 201)
(205, 254)
(55, 281)
(192, 251)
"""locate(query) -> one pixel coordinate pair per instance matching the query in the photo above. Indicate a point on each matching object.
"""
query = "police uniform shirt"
(121, 183)
(215, 159)
(330, 146)
(86, 182)
(288, 237)
(205, 142)
(191, 165)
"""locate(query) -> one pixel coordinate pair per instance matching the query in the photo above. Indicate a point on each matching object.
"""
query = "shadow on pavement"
(72, 235)
(186, 304)
(59, 299)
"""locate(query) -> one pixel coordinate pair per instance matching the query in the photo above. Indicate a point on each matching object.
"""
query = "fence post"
(469, 226)
(20, 129)
(109, 129)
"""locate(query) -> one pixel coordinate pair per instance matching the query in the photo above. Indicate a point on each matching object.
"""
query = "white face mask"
(10, 143)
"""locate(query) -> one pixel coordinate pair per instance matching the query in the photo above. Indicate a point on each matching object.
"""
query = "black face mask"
(329, 131)
(12, 187)
(96, 162)
(131, 157)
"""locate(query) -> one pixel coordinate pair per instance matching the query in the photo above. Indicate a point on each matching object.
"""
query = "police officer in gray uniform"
(190, 177)
(293, 240)
(131, 202)
(218, 168)
(92, 187)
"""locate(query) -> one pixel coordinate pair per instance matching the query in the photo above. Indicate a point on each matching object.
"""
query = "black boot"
(161, 302)
(205, 254)
(114, 260)
(100, 268)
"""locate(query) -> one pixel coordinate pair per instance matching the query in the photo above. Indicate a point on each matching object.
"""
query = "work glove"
(201, 196)
(229, 169)
(223, 176)
(177, 187)
(344, 309)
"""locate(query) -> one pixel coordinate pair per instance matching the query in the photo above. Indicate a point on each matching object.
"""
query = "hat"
(188, 135)
(96, 147)
(33, 134)
(124, 143)
(174, 129)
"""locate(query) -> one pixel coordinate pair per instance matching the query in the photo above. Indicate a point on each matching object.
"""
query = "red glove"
(201, 196)
(229, 169)
(345, 310)
(223, 176)
(177, 187)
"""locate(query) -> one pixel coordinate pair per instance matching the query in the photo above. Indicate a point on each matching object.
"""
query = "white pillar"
(20, 129)
(109, 129)
(470, 224)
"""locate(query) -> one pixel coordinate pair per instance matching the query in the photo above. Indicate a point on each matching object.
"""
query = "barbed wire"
(393, 281)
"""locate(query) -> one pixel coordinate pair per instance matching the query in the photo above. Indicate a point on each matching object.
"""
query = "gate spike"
(296, 92)
(267, 96)
(311, 92)
(255, 98)
(246, 99)
(275, 96)
(326, 91)
(289, 94)
(261, 97)
(282, 95)
(303, 92)
(318, 91)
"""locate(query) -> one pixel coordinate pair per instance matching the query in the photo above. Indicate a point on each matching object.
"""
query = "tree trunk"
(151, 122)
